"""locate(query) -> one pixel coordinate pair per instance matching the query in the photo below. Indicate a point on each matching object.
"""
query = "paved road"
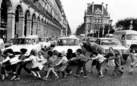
(92, 80)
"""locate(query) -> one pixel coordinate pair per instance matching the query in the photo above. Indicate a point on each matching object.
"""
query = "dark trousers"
(68, 69)
(11, 68)
(23, 65)
(82, 64)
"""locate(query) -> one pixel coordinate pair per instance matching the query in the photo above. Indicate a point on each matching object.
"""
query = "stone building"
(95, 19)
(32, 17)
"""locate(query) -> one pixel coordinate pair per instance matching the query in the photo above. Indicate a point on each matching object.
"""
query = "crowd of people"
(60, 63)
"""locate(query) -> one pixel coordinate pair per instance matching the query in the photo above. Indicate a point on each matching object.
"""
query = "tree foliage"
(125, 23)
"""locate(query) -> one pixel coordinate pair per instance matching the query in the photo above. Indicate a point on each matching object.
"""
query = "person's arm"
(94, 58)
(60, 62)
(5, 60)
(28, 59)
(113, 57)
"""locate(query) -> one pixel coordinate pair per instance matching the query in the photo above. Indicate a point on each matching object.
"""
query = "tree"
(125, 23)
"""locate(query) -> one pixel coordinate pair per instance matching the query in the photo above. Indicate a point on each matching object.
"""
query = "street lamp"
(110, 22)
(131, 25)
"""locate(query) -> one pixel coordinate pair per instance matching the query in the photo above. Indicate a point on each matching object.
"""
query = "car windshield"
(21, 41)
(92, 39)
(110, 42)
(131, 37)
(67, 41)
(42, 39)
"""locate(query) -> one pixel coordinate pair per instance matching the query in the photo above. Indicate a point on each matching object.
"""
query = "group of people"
(60, 63)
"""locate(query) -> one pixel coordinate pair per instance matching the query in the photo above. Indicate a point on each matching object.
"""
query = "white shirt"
(32, 58)
(63, 60)
(100, 57)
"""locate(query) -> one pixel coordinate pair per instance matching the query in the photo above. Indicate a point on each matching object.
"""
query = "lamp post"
(110, 22)
(131, 25)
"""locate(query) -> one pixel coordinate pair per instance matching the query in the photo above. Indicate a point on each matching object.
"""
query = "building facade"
(95, 19)
(32, 17)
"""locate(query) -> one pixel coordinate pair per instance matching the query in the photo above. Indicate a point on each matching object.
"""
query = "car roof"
(68, 38)
(107, 38)
(43, 37)
(126, 32)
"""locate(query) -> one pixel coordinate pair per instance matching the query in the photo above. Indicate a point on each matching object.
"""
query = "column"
(34, 28)
(20, 29)
(37, 29)
(28, 27)
(0, 16)
(10, 26)
(45, 30)
(61, 32)
(40, 30)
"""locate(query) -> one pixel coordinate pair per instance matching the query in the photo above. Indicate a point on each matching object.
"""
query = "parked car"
(2, 46)
(106, 43)
(65, 43)
(44, 41)
(133, 46)
(29, 42)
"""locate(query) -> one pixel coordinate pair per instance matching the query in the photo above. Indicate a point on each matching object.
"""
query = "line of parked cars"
(29, 42)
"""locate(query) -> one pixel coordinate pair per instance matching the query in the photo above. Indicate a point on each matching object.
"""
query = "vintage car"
(106, 43)
(44, 41)
(29, 42)
(65, 43)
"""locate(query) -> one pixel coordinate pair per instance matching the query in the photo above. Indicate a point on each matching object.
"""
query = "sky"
(118, 9)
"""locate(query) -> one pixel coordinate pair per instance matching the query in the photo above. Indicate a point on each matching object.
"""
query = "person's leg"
(13, 69)
(78, 69)
(68, 69)
(48, 72)
(54, 73)
(38, 74)
(26, 69)
(100, 69)
(84, 68)
(131, 69)
(3, 72)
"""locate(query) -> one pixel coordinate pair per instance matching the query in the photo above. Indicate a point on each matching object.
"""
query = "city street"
(92, 80)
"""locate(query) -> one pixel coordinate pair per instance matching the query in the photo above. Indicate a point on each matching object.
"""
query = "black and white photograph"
(68, 42)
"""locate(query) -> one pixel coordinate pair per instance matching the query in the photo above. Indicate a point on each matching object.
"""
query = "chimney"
(92, 7)
(88, 4)
(106, 7)
(102, 8)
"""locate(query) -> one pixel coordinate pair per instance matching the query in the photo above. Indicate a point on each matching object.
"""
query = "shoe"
(3, 77)
(76, 75)
(121, 73)
(70, 72)
(13, 77)
(101, 75)
(56, 77)
(6, 75)
(85, 76)
(131, 73)
(105, 70)
(45, 78)
(17, 79)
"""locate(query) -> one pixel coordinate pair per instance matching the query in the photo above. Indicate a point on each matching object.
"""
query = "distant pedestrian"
(133, 57)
